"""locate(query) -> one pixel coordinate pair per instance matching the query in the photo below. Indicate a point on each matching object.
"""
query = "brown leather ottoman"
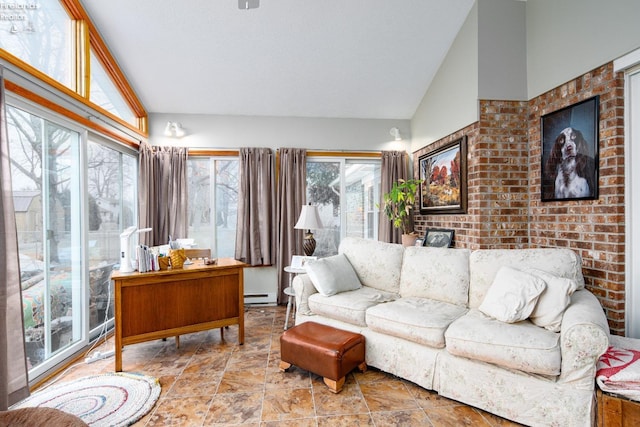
(326, 351)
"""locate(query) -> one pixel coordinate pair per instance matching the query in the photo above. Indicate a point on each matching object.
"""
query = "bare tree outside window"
(213, 203)
(346, 192)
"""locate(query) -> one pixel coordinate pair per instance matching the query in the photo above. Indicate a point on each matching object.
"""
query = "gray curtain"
(395, 166)
(292, 187)
(162, 193)
(14, 382)
(255, 231)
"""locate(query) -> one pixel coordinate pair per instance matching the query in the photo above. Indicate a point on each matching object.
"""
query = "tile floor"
(214, 382)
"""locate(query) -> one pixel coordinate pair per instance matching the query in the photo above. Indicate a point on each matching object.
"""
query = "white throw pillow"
(512, 296)
(553, 301)
(332, 275)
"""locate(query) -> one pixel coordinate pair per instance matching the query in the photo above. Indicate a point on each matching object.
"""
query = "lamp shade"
(309, 218)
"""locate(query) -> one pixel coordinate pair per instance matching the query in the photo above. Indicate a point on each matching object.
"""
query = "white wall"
(451, 102)
(567, 38)
(486, 61)
(209, 131)
(502, 61)
(517, 50)
(232, 132)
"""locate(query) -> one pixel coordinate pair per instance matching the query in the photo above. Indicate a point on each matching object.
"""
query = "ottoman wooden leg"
(334, 386)
(362, 367)
(284, 366)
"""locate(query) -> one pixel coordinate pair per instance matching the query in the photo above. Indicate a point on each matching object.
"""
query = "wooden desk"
(161, 304)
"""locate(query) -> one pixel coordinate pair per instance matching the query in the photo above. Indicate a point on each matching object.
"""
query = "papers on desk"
(147, 259)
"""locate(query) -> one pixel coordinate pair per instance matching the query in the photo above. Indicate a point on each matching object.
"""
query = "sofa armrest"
(584, 338)
(303, 288)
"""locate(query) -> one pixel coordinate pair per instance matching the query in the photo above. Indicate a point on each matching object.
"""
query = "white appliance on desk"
(127, 251)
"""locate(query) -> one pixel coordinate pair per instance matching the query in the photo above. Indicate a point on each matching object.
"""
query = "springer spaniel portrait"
(569, 168)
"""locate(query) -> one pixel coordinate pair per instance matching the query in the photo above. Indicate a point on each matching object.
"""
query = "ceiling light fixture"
(395, 132)
(174, 130)
(248, 4)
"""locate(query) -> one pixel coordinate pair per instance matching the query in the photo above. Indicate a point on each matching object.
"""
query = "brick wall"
(504, 207)
(497, 180)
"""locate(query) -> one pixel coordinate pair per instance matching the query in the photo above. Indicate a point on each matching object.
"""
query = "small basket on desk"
(163, 262)
(177, 257)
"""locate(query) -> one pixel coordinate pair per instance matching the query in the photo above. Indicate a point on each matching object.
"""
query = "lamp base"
(309, 244)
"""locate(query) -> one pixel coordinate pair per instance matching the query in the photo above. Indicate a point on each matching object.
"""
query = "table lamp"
(127, 251)
(309, 220)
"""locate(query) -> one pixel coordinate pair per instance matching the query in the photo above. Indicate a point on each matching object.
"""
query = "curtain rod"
(345, 153)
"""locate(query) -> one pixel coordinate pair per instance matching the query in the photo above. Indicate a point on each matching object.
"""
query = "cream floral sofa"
(422, 314)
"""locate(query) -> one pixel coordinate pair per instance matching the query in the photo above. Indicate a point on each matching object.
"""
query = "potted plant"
(398, 204)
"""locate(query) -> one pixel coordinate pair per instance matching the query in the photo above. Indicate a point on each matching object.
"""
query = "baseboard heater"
(268, 298)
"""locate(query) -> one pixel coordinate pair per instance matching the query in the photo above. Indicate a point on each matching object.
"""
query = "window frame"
(39, 373)
(343, 158)
(62, 356)
(86, 37)
(214, 155)
(96, 138)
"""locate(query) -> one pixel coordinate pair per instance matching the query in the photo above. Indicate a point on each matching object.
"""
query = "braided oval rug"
(112, 399)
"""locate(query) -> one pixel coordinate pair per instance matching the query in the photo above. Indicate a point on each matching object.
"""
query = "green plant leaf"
(399, 201)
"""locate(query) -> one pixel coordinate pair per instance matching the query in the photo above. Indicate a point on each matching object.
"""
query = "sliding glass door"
(46, 180)
(111, 184)
(346, 192)
(74, 193)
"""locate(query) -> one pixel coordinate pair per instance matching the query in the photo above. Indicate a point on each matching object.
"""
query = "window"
(45, 168)
(39, 33)
(69, 216)
(105, 94)
(111, 183)
(54, 38)
(72, 196)
(347, 192)
(213, 203)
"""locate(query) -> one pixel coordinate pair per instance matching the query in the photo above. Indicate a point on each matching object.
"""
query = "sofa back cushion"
(435, 273)
(377, 264)
(485, 263)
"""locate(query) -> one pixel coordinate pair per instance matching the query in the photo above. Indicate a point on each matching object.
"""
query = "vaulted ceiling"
(300, 58)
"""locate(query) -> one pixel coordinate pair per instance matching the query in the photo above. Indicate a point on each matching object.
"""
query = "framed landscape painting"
(443, 172)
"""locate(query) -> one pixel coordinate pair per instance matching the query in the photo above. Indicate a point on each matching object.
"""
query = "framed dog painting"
(569, 169)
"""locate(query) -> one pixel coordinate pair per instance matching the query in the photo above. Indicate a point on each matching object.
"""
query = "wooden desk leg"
(118, 351)
(118, 324)
(241, 329)
(241, 306)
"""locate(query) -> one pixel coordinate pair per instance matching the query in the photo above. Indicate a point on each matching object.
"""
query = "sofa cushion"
(377, 264)
(522, 346)
(436, 273)
(485, 263)
(512, 295)
(553, 301)
(415, 319)
(333, 275)
(349, 306)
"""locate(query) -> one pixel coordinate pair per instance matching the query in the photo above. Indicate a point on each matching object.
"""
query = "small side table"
(290, 292)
